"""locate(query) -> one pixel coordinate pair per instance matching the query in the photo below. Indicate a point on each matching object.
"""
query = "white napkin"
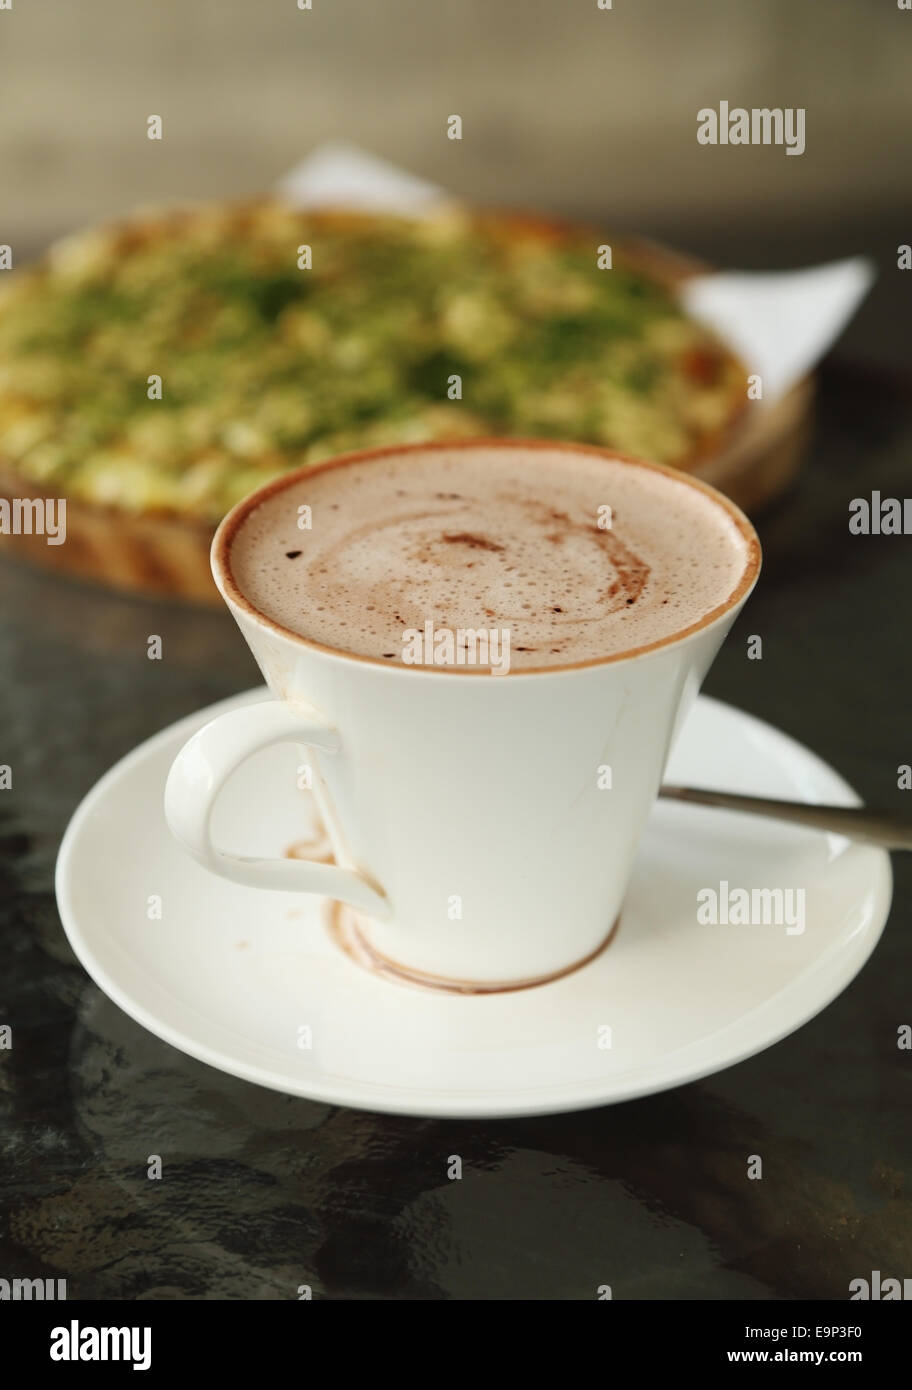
(340, 176)
(780, 323)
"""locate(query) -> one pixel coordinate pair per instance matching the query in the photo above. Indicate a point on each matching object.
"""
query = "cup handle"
(201, 769)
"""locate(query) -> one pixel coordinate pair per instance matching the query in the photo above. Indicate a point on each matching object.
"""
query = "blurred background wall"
(565, 107)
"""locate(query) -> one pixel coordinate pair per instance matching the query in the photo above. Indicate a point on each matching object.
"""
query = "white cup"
(472, 827)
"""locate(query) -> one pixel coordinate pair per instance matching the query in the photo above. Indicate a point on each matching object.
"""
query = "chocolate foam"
(490, 537)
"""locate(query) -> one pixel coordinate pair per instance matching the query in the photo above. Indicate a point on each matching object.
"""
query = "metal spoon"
(891, 829)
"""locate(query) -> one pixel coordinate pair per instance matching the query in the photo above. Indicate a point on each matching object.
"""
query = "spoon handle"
(890, 829)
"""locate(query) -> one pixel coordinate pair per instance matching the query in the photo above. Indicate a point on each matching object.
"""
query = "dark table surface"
(264, 1192)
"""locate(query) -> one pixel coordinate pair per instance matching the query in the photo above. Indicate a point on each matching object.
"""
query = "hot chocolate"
(575, 555)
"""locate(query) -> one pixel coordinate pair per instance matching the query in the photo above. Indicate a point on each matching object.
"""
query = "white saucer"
(236, 977)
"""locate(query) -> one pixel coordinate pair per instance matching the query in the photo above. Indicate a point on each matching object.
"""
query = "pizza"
(165, 366)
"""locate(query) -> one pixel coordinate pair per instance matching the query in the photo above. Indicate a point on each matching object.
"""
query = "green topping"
(265, 366)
